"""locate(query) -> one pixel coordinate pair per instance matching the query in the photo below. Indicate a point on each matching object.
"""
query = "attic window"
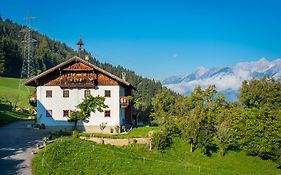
(49, 94)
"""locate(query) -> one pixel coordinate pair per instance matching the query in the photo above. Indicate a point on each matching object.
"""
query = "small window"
(49, 113)
(107, 93)
(107, 113)
(49, 94)
(65, 93)
(87, 93)
(66, 113)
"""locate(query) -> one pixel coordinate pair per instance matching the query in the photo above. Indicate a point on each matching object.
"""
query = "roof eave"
(33, 79)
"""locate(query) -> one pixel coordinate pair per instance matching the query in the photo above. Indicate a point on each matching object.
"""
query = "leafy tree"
(258, 125)
(196, 118)
(163, 106)
(258, 132)
(225, 136)
(90, 104)
(258, 93)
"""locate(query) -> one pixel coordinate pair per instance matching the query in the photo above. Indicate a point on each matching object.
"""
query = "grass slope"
(13, 90)
(13, 93)
(74, 156)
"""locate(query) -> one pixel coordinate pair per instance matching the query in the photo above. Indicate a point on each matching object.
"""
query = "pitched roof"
(75, 58)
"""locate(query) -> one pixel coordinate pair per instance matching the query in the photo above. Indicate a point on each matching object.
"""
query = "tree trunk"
(75, 125)
(191, 147)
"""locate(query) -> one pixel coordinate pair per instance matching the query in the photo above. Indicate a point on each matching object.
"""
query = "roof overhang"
(34, 80)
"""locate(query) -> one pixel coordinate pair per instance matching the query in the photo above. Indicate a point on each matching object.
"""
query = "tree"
(197, 118)
(225, 136)
(258, 125)
(258, 93)
(258, 132)
(2, 58)
(163, 106)
(90, 104)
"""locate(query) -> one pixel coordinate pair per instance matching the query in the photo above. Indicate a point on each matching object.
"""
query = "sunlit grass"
(74, 156)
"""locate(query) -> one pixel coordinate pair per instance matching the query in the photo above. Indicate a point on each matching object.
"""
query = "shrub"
(161, 140)
(75, 134)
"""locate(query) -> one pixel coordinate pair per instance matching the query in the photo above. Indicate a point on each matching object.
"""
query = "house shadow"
(53, 124)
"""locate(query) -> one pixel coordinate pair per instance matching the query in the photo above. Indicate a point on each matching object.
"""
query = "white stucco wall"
(58, 103)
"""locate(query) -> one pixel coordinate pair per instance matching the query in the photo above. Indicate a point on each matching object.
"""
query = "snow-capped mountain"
(226, 79)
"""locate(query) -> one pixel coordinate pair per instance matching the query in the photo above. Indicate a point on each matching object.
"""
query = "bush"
(75, 134)
(161, 140)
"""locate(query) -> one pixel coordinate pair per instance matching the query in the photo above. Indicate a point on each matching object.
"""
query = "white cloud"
(225, 80)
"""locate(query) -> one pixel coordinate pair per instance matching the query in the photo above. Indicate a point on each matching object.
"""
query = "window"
(66, 113)
(49, 113)
(107, 93)
(49, 94)
(87, 93)
(65, 93)
(107, 113)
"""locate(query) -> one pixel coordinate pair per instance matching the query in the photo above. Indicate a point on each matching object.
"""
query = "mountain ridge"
(225, 78)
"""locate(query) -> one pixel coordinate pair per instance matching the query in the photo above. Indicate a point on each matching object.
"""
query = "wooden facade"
(77, 74)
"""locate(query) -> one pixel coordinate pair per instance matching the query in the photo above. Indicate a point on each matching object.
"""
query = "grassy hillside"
(13, 93)
(13, 90)
(74, 156)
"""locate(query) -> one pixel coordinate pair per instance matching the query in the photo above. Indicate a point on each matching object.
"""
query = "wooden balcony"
(124, 101)
(72, 82)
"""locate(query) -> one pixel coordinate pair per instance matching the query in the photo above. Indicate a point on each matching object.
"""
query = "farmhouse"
(61, 88)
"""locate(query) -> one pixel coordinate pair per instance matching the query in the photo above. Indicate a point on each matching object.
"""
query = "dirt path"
(16, 144)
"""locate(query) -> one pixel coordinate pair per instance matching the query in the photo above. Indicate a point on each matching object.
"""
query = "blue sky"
(160, 38)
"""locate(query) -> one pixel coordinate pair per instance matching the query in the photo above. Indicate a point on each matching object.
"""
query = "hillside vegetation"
(211, 124)
(74, 156)
(13, 91)
(13, 94)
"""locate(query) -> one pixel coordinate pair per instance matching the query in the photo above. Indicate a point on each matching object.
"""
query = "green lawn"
(74, 156)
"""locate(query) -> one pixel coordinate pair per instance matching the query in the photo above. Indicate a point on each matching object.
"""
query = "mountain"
(227, 80)
(49, 52)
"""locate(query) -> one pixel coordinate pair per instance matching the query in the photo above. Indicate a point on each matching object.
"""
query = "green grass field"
(13, 93)
(13, 90)
(74, 156)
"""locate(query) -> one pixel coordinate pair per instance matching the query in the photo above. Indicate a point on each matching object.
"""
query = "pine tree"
(2, 58)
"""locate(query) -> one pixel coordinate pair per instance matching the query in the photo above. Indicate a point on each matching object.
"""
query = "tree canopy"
(210, 123)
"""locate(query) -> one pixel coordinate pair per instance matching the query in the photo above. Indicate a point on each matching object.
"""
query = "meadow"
(13, 94)
(14, 91)
(69, 155)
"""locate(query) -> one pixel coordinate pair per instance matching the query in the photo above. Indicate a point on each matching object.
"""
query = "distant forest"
(48, 53)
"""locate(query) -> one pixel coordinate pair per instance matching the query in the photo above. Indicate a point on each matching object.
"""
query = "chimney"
(124, 76)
